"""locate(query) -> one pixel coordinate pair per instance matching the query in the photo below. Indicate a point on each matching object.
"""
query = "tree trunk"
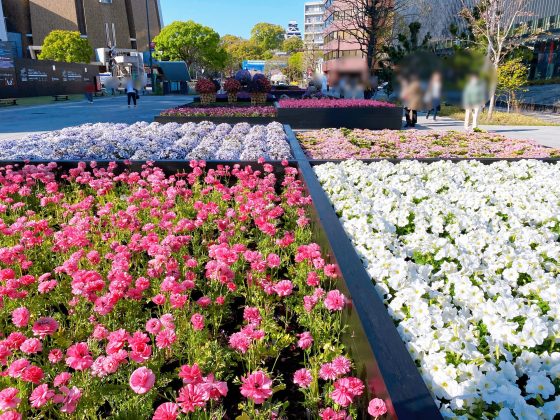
(493, 87)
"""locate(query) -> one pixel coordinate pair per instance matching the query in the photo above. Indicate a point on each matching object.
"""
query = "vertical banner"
(7, 65)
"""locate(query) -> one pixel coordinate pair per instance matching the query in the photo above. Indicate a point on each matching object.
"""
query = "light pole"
(150, 48)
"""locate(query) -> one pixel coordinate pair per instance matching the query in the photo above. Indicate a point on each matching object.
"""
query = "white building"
(314, 24)
(3, 31)
(293, 30)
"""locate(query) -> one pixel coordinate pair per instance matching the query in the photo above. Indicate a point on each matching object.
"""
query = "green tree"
(67, 46)
(292, 45)
(512, 76)
(268, 36)
(195, 44)
(239, 49)
(296, 66)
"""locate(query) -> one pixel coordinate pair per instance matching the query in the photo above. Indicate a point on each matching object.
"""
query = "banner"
(7, 65)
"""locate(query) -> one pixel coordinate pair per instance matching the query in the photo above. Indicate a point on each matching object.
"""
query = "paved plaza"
(16, 121)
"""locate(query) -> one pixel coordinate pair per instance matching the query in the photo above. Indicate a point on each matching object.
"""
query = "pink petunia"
(284, 288)
(153, 326)
(142, 380)
(190, 374)
(341, 365)
(62, 379)
(31, 346)
(257, 387)
(345, 390)
(9, 399)
(303, 378)
(166, 411)
(20, 317)
(165, 339)
(45, 326)
(41, 396)
(78, 356)
(335, 301)
(55, 355)
(305, 340)
(197, 321)
(191, 397)
(377, 407)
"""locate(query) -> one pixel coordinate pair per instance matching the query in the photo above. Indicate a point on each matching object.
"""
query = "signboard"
(7, 65)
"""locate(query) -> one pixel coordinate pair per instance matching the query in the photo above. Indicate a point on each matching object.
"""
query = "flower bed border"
(373, 118)
(380, 355)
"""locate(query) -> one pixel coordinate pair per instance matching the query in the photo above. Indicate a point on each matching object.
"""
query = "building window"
(106, 1)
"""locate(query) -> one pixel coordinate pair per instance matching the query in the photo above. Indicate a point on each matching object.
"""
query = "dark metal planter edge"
(391, 371)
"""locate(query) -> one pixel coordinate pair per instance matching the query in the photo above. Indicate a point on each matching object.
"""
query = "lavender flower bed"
(367, 144)
(144, 141)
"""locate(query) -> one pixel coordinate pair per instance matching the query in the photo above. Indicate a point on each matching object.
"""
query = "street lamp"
(150, 48)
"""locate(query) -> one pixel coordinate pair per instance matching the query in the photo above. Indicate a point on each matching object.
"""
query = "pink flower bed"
(367, 144)
(143, 295)
(333, 103)
(222, 111)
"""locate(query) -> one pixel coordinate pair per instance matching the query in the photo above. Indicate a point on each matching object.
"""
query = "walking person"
(474, 98)
(131, 92)
(89, 92)
(412, 96)
(434, 95)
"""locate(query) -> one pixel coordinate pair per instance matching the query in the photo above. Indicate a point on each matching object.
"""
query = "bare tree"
(369, 24)
(492, 23)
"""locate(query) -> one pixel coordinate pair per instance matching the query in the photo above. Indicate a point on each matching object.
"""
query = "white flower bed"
(144, 141)
(467, 260)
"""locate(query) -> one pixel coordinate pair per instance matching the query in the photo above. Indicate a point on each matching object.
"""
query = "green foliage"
(296, 66)
(293, 45)
(196, 44)
(66, 46)
(268, 36)
(512, 76)
(239, 49)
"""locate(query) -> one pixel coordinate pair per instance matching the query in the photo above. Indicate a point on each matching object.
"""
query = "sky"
(235, 17)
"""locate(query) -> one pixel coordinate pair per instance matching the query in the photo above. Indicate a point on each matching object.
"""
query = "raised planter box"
(216, 120)
(372, 118)
(380, 355)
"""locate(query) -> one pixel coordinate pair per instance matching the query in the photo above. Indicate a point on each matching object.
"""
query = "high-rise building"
(105, 23)
(342, 53)
(293, 30)
(314, 24)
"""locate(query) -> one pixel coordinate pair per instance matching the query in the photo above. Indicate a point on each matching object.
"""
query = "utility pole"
(150, 49)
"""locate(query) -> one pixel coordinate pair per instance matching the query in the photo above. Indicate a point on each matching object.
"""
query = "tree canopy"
(196, 44)
(296, 64)
(239, 49)
(67, 46)
(292, 45)
(268, 36)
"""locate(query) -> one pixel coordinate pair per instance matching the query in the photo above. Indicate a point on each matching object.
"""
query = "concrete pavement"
(16, 122)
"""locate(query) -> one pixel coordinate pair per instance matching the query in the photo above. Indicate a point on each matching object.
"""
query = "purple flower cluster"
(333, 103)
(225, 111)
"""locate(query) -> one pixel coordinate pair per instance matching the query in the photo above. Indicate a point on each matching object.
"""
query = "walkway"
(16, 122)
(547, 136)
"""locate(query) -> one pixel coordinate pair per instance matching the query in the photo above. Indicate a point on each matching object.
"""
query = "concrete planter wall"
(317, 118)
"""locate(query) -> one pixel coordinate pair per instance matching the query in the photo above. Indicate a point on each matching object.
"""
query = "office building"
(342, 52)
(105, 23)
(314, 24)
(293, 30)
